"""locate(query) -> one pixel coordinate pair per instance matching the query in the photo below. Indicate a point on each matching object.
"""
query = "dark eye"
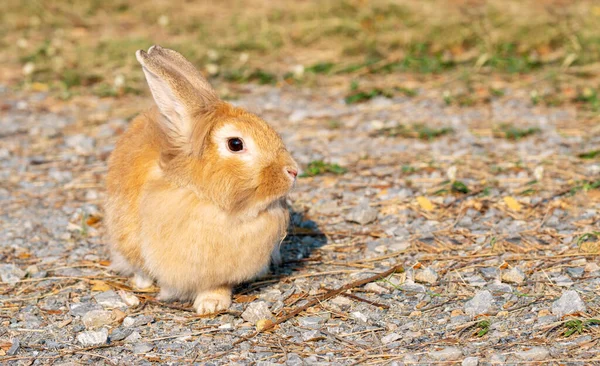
(235, 144)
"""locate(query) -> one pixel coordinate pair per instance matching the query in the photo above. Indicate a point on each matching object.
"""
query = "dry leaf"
(512, 203)
(117, 315)
(245, 298)
(425, 203)
(104, 263)
(98, 285)
(590, 247)
(263, 324)
(92, 220)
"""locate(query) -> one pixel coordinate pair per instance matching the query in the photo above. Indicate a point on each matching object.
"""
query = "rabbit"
(196, 189)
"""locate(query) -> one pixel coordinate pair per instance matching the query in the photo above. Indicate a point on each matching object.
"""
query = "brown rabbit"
(196, 189)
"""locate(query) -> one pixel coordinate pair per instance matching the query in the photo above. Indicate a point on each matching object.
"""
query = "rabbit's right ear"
(180, 93)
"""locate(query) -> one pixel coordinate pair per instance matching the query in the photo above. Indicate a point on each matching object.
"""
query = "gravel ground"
(493, 267)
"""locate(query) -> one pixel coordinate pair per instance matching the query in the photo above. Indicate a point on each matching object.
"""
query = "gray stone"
(81, 143)
(533, 354)
(294, 360)
(563, 281)
(359, 316)
(413, 287)
(137, 321)
(575, 272)
(499, 288)
(446, 354)
(310, 335)
(110, 299)
(93, 338)
(513, 275)
(256, 311)
(80, 309)
(479, 304)
(362, 214)
(133, 337)
(489, 273)
(568, 303)
(497, 358)
(119, 334)
(11, 274)
(390, 338)
(311, 321)
(142, 348)
(341, 301)
(14, 348)
(373, 287)
(476, 281)
(426, 275)
(470, 361)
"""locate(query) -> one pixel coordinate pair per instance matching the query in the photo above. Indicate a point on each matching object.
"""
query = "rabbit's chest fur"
(189, 245)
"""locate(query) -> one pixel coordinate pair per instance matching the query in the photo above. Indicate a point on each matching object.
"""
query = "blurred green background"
(367, 48)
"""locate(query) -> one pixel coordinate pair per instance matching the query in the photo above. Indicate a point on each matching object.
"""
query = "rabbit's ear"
(179, 97)
(187, 70)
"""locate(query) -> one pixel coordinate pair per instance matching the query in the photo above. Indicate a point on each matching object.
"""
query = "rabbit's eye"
(235, 144)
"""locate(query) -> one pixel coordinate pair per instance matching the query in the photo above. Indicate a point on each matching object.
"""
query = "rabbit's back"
(131, 164)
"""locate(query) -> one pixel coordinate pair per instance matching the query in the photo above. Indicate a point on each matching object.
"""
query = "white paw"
(212, 302)
(166, 294)
(141, 281)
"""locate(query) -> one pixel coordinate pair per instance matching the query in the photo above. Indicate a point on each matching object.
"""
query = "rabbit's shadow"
(304, 237)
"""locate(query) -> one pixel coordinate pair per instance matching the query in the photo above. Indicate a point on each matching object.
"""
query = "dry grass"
(74, 47)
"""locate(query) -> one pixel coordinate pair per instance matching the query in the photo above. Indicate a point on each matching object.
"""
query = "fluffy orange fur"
(182, 213)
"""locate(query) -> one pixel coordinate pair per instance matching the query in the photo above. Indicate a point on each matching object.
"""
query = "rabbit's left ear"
(205, 91)
(180, 93)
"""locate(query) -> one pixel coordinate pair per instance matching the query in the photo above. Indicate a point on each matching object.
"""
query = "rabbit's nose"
(292, 172)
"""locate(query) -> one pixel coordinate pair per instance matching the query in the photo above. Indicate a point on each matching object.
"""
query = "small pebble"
(563, 281)
(390, 338)
(310, 335)
(514, 275)
(470, 361)
(129, 298)
(142, 348)
(362, 214)
(533, 354)
(14, 348)
(476, 281)
(311, 321)
(119, 334)
(11, 274)
(373, 287)
(360, 316)
(489, 273)
(97, 318)
(479, 304)
(256, 311)
(133, 337)
(568, 303)
(93, 338)
(426, 275)
(446, 354)
(497, 359)
(110, 299)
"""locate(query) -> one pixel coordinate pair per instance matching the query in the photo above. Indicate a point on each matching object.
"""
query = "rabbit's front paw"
(141, 281)
(213, 301)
